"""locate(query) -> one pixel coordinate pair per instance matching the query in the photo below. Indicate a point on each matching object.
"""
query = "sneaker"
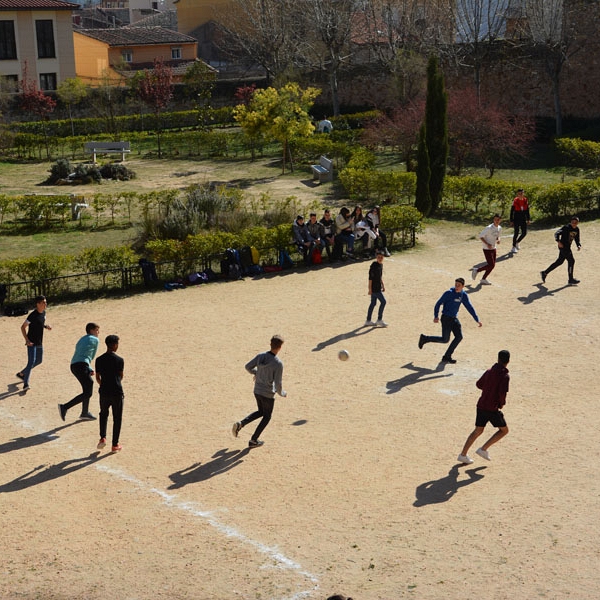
(573, 281)
(88, 416)
(101, 443)
(421, 341)
(235, 429)
(369, 323)
(386, 253)
(255, 443)
(474, 272)
(543, 276)
(26, 387)
(518, 247)
(483, 453)
(485, 282)
(62, 411)
(448, 359)
(381, 323)
(20, 375)
(116, 448)
(463, 458)
(514, 250)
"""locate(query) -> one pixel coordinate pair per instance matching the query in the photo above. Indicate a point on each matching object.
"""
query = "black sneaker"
(573, 281)
(88, 416)
(421, 341)
(62, 411)
(543, 276)
(20, 375)
(448, 359)
(255, 443)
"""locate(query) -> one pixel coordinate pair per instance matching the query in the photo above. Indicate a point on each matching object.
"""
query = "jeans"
(449, 325)
(374, 297)
(83, 373)
(264, 412)
(35, 354)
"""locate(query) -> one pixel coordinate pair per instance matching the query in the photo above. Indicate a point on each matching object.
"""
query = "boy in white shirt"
(490, 237)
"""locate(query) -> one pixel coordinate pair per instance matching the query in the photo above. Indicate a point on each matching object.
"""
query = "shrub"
(116, 171)
(61, 169)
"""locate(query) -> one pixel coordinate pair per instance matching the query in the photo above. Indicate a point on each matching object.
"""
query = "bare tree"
(554, 40)
(330, 23)
(480, 24)
(264, 32)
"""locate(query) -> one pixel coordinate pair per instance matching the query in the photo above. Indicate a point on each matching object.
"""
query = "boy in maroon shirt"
(494, 386)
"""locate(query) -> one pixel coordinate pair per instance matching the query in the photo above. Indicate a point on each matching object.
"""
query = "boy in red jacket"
(494, 387)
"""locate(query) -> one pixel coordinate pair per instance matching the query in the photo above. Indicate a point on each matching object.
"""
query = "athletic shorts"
(495, 417)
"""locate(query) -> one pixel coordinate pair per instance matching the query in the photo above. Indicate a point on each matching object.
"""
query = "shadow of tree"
(223, 461)
(441, 490)
(44, 473)
(419, 374)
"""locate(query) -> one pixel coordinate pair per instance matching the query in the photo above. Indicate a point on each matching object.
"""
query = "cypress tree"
(423, 199)
(436, 130)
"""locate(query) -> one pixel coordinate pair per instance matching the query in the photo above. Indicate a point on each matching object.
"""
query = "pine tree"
(423, 199)
(436, 130)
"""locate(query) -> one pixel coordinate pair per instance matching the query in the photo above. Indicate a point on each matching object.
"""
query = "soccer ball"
(343, 355)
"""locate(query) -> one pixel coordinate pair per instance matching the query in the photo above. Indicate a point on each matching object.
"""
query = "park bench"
(95, 148)
(324, 170)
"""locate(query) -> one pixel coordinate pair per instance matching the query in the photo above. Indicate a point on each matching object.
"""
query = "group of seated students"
(332, 235)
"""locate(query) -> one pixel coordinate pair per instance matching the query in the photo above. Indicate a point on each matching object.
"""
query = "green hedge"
(575, 152)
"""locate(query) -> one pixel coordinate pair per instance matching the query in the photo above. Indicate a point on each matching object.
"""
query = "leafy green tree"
(280, 114)
(436, 130)
(72, 91)
(423, 199)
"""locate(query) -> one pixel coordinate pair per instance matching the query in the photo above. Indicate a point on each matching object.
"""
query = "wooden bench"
(324, 170)
(95, 148)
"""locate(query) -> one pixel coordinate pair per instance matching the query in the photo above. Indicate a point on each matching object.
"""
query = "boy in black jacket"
(565, 237)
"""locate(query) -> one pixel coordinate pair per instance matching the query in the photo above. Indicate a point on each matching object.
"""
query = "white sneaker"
(518, 247)
(483, 453)
(463, 458)
(474, 272)
(514, 249)
(369, 323)
(235, 429)
(381, 323)
(485, 282)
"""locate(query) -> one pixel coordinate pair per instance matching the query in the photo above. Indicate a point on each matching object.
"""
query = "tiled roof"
(137, 36)
(37, 5)
(167, 18)
(178, 67)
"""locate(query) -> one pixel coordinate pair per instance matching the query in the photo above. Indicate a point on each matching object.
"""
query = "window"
(175, 53)
(8, 44)
(44, 30)
(9, 83)
(47, 81)
(127, 56)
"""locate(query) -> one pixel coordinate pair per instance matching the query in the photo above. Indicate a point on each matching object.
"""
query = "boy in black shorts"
(494, 387)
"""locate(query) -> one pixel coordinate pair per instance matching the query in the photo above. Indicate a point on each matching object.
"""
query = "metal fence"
(131, 279)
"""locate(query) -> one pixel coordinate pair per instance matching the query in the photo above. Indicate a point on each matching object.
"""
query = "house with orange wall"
(113, 55)
(38, 34)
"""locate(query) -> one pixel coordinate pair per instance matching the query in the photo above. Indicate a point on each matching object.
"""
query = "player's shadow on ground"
(419, 374)
(45, 473)
(541, 292)
(223, 460)
(11, 390)
(342, 336)
(441, 490)
(33, 440)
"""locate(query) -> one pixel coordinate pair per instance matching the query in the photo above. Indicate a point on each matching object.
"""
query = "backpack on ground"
(285, 260)
(246, 257)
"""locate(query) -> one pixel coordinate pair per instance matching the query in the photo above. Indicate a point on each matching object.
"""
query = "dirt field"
(357, 489)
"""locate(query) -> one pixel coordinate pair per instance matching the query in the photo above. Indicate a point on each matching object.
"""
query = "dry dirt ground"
(357, 489)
